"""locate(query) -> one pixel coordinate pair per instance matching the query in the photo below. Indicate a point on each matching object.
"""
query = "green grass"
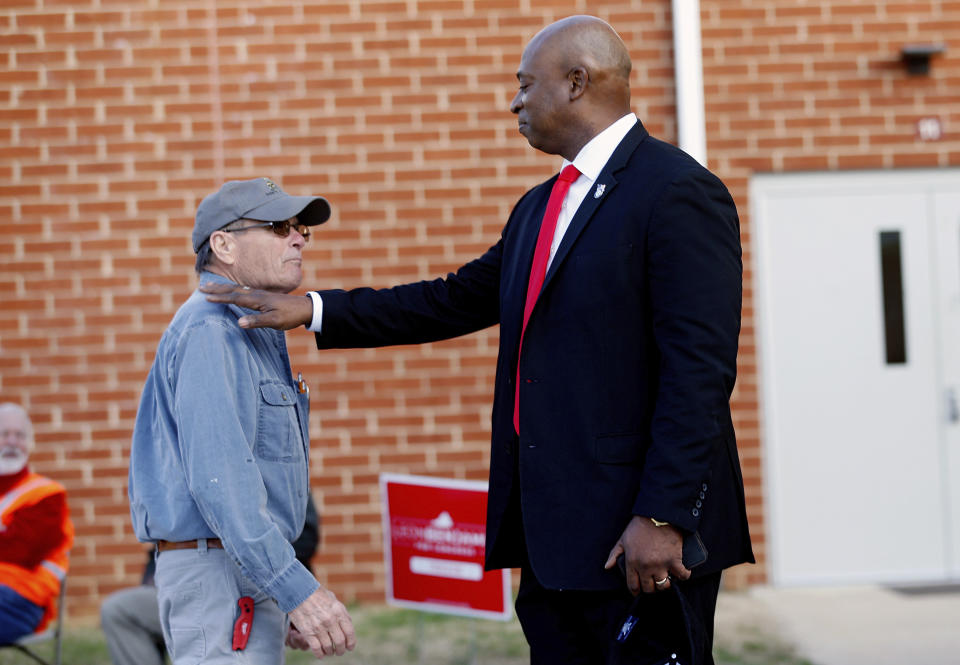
(389, 636)
(751, 641)
(768, 652)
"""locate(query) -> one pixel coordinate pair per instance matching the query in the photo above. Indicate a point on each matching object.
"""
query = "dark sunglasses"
(282, 229)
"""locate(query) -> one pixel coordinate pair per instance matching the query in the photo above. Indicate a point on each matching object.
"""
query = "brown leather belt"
(165, 545)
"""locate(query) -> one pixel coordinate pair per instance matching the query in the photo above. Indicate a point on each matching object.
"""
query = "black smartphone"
(694, 553)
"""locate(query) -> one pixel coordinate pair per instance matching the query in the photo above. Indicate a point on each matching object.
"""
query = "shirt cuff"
(317, 321)
(292, 586)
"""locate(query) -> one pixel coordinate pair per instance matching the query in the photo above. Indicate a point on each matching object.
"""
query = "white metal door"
(857, 472)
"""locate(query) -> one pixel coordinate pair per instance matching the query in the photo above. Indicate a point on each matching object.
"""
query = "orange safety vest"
(39, 585)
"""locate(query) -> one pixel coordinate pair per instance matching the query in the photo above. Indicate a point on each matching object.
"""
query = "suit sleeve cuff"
(317, 322)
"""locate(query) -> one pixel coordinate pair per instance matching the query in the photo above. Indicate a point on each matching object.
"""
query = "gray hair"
(12, 407)
(204, 254)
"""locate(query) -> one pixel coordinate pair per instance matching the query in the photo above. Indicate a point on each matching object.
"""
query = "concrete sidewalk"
(848, 625)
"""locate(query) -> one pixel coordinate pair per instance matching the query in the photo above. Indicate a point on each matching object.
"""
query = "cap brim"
(309, 210)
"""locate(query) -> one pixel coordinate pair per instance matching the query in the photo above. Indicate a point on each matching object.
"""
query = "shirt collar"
(207, 276)
(593, 157)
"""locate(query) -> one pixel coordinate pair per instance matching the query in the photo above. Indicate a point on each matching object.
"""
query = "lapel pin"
(597, 194)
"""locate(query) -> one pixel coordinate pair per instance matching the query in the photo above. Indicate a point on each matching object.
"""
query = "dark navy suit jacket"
(628, 363)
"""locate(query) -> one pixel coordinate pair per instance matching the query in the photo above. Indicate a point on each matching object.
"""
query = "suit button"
(695, 512)
(699, 504)
(704, 488)
(703, 495)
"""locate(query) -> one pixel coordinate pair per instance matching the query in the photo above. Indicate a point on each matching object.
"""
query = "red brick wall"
(117, 117)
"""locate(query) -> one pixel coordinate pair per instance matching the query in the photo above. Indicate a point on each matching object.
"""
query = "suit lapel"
(604, 185)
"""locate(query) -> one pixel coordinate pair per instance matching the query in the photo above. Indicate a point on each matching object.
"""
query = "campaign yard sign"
(434, 530)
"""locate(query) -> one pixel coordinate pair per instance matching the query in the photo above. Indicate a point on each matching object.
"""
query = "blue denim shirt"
(220, 445)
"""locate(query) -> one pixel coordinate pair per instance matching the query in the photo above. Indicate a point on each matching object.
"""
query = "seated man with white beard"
(35, 533)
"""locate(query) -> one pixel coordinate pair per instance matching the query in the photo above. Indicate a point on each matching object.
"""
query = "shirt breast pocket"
(278, 430)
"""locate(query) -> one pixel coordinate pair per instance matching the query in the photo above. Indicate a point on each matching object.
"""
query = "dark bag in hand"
(660, 629)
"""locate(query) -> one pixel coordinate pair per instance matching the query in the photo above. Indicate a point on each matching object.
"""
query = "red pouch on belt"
(241, 629)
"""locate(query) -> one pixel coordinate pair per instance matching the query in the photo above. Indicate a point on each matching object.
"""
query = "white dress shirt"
(589, 161)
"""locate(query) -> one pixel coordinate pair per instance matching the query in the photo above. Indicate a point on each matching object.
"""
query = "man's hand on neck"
(276, 310)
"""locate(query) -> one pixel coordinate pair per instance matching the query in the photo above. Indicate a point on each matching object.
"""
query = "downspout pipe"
(688, 72)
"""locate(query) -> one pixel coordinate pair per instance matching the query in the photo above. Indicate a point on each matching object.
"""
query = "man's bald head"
(574, 83)
(588, 41)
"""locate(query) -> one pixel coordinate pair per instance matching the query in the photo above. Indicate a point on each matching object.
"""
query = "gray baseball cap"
(260, 199)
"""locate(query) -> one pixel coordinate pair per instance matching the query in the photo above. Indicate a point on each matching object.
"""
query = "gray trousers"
(197, 593)
(131, 623)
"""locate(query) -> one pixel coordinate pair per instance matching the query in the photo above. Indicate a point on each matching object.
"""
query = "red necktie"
(538, 269)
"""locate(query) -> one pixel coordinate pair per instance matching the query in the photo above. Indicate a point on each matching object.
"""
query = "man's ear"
(224, 247)
(578, 77)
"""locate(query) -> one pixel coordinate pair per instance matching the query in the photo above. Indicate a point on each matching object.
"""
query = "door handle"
(953, 411)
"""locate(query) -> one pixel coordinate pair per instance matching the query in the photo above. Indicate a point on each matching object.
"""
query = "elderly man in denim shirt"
(218, 465)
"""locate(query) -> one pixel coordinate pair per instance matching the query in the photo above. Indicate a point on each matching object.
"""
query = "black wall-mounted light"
(917, 57)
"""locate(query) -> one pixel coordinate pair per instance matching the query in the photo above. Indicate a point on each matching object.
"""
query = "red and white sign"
(434, 531)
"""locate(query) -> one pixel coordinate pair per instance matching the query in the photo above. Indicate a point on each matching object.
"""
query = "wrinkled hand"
(296, 640)
(277, 310)
(323, 623)
(652, 553)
